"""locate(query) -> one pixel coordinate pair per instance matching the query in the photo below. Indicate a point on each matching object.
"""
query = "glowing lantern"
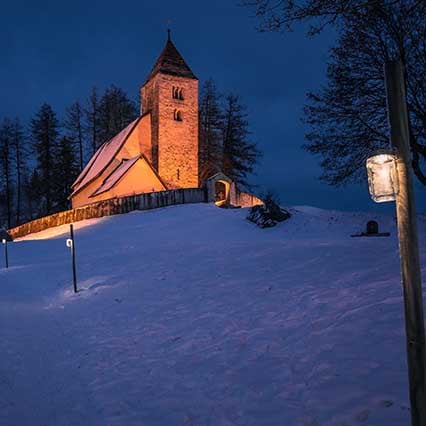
(383, 176)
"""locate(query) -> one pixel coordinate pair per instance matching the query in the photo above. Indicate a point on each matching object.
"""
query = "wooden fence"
(113, 206)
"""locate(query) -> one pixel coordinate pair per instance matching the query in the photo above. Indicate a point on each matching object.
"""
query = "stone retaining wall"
(113, 206)
(244, 199)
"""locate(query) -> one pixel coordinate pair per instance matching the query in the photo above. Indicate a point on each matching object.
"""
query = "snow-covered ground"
(191, 315)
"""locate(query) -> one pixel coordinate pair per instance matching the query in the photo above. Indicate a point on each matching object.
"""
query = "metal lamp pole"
(408, 241)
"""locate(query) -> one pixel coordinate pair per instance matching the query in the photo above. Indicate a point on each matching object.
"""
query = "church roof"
(102, 158)
(171, 62)
(116, 175)
(121, 171)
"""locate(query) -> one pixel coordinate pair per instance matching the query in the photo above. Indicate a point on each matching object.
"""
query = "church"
(159, 150)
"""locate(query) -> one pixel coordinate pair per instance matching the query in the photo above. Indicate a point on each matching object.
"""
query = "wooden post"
(408, 241)
(74, 274)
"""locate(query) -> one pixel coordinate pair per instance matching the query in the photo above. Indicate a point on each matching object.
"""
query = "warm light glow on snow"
(57, 231)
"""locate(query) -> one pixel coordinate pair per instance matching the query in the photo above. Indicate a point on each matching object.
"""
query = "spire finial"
(168, 34)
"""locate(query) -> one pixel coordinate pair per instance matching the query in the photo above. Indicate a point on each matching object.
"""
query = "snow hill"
(190, 315)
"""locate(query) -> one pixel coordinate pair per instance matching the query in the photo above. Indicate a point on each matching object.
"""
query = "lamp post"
(390, 178)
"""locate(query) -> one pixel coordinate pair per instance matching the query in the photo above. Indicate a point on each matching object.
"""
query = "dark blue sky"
(55, 51)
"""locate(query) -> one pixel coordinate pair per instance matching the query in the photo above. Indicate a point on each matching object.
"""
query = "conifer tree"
(6, 140)
(116, 111)
(239, 154)
(210, 132)
(32, 194)
(66, 171)
(75, 132)
(44, 137)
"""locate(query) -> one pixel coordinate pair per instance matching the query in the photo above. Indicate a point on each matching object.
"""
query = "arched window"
(178, 174)
(177, 93)
(177, 115)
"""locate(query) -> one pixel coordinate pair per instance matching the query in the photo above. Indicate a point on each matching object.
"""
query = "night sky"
(55, 51)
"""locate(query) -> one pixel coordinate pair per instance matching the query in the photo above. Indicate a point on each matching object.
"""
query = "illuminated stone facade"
(174, 152)
(159, 150)
(156, 152)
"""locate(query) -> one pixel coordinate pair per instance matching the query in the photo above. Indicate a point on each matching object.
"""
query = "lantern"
(383, 176)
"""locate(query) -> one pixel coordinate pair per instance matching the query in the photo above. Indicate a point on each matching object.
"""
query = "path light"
(70, 244)
(6, 257)
(382, 173)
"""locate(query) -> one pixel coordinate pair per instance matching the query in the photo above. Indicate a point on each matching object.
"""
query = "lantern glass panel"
(382, 177)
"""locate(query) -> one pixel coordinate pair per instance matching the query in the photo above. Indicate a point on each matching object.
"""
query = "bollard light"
(6, 256)
(69, 242)
(383, 176)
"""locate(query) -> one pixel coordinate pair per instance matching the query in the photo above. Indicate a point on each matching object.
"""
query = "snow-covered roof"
(220, 176)
(102, 158)
(116, 175)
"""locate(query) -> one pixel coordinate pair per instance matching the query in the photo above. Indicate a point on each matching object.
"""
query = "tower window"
(178, 174)
(177, 115)
(177, 93)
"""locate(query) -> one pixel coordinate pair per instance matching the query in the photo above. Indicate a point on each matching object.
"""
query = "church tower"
(170, 95)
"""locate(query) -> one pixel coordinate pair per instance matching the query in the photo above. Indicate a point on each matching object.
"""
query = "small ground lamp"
(6, 257)
(390, 178)
(70, 244)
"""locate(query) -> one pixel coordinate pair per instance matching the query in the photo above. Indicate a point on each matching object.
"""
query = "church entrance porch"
(221, 192)
(219, 189)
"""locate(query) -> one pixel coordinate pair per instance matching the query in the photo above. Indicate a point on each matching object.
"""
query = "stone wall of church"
(175, 128)
(244, 199)
(149, 104)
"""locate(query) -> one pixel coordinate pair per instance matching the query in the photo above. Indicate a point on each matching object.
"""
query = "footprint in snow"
(363, 416)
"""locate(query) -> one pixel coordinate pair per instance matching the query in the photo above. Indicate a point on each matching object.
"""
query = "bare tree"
(6, 139)
(347, 117)
(74, 126)
(20, 155)
(92, 126)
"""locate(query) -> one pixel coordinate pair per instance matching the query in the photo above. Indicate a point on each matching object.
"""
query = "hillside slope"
(191, 315)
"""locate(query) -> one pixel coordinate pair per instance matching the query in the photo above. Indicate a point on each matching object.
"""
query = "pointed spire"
(171, 62)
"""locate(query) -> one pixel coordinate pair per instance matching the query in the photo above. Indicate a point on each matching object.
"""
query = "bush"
(268, 214)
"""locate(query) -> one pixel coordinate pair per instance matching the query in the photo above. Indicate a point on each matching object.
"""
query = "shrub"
(268, 214)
